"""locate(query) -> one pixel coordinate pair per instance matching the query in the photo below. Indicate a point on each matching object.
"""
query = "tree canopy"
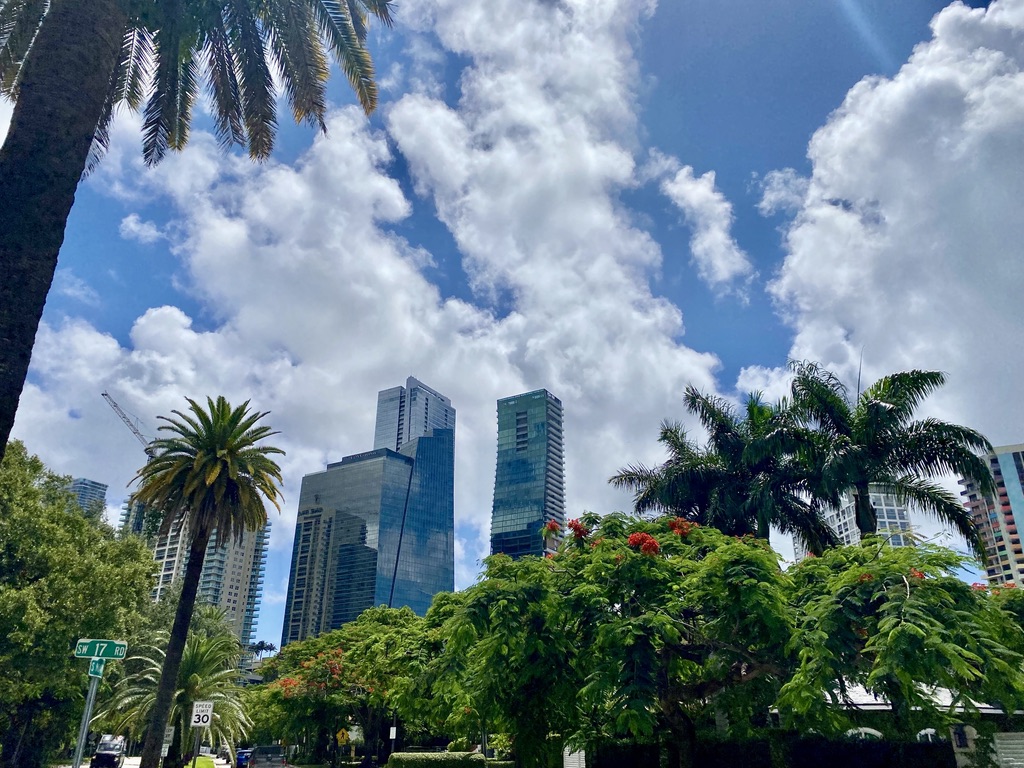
(62, 577)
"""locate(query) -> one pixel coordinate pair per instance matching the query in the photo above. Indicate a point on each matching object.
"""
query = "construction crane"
(132, 425)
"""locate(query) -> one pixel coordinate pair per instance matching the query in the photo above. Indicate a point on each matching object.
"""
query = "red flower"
(867, 577)
(979, 586)
(1010, 585)
(579, 530)
(916, 574)
(549, 555)
(682, 526)
(595, 542)
(553, 526)
(644, 542)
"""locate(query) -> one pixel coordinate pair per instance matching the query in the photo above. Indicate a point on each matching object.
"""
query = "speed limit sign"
(202, 713)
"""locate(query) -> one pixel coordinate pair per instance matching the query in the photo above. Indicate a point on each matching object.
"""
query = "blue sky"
(611, 199)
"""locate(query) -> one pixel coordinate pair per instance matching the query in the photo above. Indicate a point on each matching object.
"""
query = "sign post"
(97, 651)
(202, 714)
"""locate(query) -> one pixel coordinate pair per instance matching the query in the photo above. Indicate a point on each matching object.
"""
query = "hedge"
(436, 760)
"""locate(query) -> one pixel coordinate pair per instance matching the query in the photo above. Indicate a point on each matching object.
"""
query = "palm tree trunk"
(63, 91)
(867, 519)
(175, 648)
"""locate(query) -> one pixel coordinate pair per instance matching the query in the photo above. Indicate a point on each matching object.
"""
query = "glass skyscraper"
(378, 528)
(529, 479)
(404, 413)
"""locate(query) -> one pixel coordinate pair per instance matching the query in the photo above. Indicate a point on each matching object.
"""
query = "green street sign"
(86, 648)
(96, 667)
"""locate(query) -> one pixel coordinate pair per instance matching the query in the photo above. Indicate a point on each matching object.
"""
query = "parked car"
(267, 757)
(242, 758)
(109, 752)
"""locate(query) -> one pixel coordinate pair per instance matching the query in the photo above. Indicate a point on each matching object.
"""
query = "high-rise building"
(231, 579)
(88, 492)
(893, 521)
(404, 413)
(529, 479)
(994, 516)
(376, 528)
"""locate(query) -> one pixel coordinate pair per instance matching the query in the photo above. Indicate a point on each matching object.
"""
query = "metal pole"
(83, 730)
(195, 749)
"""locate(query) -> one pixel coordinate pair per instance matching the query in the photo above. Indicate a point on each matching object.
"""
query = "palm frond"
(904, 391)
(820, 398)
(934, 499)
(160, 116)
(295, 42)
(255, 81)
(19, 23)
(337, 25)
(227, 98)
(933, 447)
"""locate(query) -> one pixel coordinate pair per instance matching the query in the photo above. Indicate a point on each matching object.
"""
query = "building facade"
(88, 492)
(893, 521)
(405, 413)
(231, 579)
(994, 515)
(529, 477)
(376, 528)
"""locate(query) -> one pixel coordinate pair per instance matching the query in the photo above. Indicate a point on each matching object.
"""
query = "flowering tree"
(348, 676)
(897, 621)
(629, 631)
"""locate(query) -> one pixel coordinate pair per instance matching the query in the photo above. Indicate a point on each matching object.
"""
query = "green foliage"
(628, 632)
(437, 760)
(212, 473)
(749, 476)
(896, 621)
(208, 672)
(62, 577)
(874, 439)
(358, 673)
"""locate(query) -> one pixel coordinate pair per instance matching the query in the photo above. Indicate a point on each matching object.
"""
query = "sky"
(610, 199)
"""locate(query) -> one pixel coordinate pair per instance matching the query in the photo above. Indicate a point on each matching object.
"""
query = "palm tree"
(210, 476)
(874, 440)
(262, 647)
(748, 478)
(208, 672)
(68, 63)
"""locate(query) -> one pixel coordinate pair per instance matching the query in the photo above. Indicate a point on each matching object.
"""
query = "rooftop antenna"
(860, 367)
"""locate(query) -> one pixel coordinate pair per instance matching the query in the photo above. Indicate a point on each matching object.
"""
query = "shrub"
(436, 760)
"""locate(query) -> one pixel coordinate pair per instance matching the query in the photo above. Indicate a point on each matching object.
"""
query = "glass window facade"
(529, 478)
(405, 413)
(376, 528)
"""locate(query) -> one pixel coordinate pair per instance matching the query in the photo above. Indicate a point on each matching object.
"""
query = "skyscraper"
(404, 413)
(529, 479)
(88, 492)
(893, 521)
(231, 579)
(994, 516)
(376, 528)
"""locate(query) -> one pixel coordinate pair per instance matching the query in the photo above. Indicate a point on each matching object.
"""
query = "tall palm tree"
(68, 63)
(208, 672)
(211, 475)
(874, 439)
(746, 479)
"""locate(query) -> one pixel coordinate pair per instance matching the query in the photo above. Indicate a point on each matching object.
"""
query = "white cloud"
(134, 228)
(67, 283)
(720, 261)
(908, 248)
(782, 191)
(312, 303)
